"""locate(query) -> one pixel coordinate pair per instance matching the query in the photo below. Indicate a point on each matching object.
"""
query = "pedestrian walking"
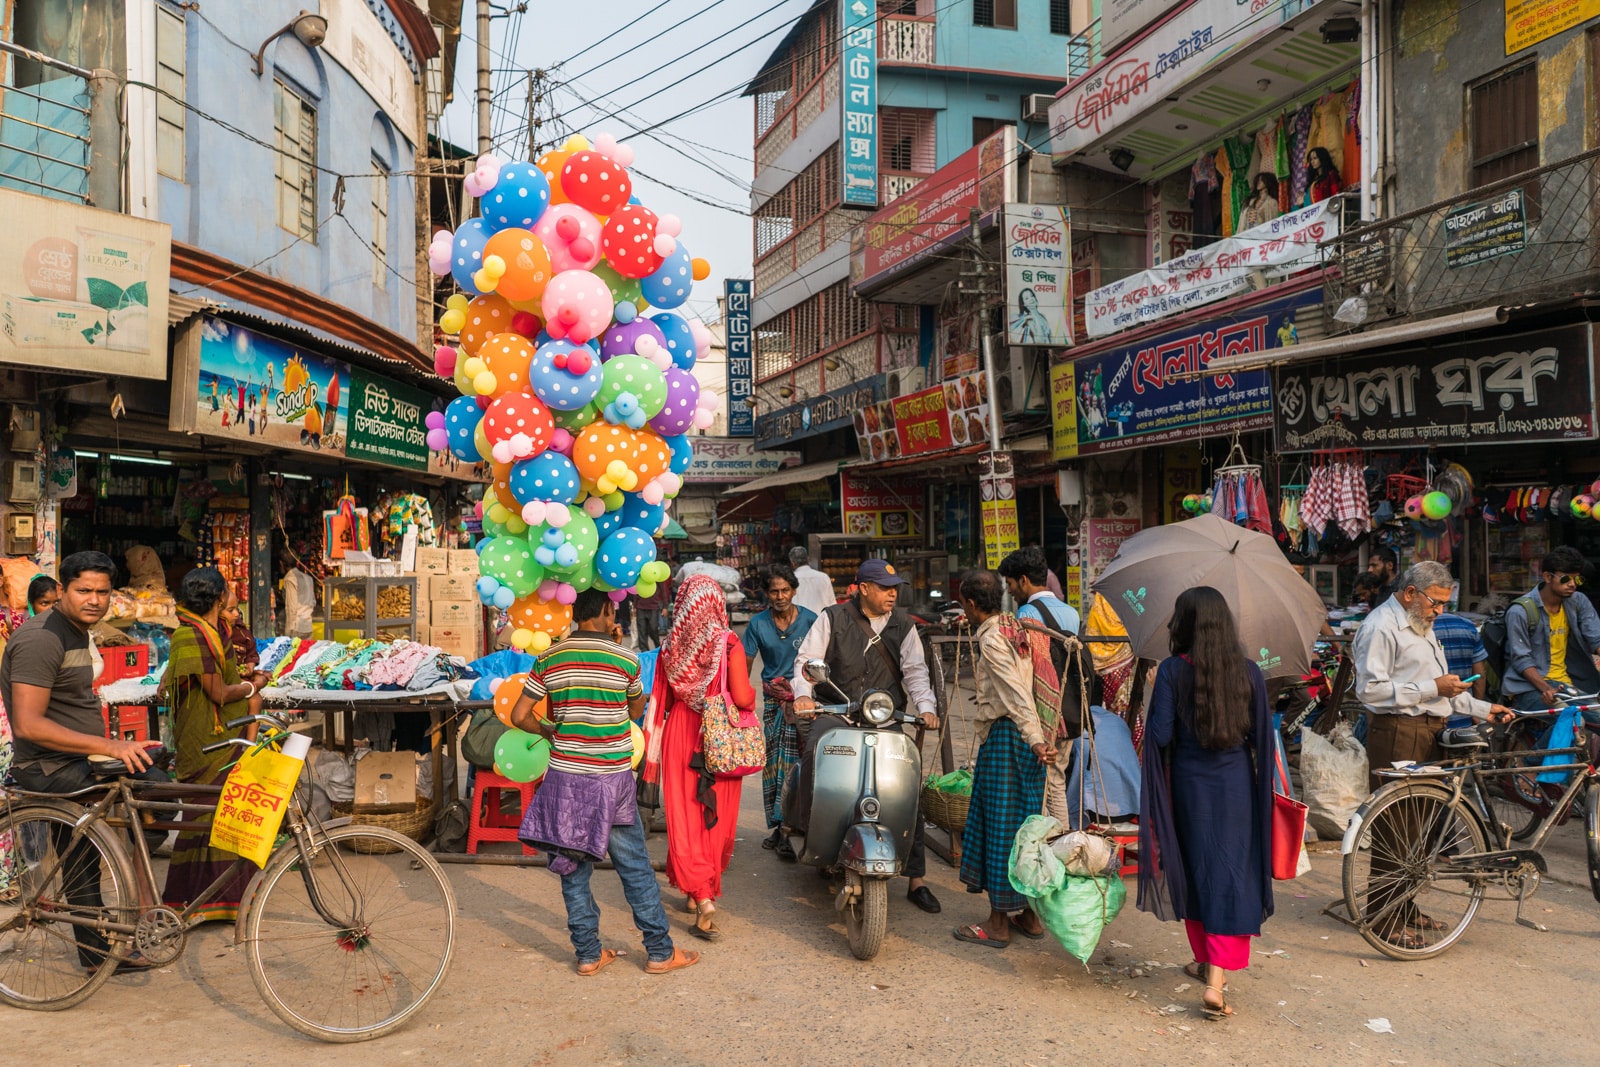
(1205, 811)
(702, 658)
(776, 635)
(815, 591)
(585, 807)
(1403, 679)
(1008, 777)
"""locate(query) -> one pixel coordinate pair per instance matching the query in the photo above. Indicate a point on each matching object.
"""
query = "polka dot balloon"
(577, 306)
(640, 513)
(601, 444)
(520, 421)
(467, 253)
(622, 556)
(566, 376)
(683, 397)
(519, 197)
(526, 264)
(679, 337)
(628, 241)
(595, 182)
(541, 616)
(510, 561)
(621, 338)
(574, 421)
(668, 287)
(506, 357)
(565, 551)
(547, 476)
(461, 418)
(487, 315)
(634, 391)
(682, 454)
(572, 237)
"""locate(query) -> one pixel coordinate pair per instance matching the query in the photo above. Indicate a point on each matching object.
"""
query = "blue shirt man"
(1463, 650)
(1027, 580)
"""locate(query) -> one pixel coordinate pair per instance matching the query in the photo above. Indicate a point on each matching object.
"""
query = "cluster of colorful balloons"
(576, 376)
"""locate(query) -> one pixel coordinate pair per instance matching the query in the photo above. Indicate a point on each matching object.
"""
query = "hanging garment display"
(1337, 492)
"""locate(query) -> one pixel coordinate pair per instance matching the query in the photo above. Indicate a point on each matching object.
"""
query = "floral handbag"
(731, 739)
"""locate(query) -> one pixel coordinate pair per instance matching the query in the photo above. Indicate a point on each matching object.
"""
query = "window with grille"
(295, 131)
(1505, 129)
(982, 128)
(907, 140)
(1061, 17)
(1001, 14)
(380, 224)
(171, 80)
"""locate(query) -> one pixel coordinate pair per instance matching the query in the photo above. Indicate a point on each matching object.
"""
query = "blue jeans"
(1529, 701)
(632, 861)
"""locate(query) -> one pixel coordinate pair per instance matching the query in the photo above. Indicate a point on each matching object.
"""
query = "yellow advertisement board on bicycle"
(253, 802)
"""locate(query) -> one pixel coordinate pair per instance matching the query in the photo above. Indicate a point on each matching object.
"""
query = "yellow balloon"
(452, 321)
(458, 302)
(480, 441)
(576, 143)
(540, 642)
(521, 639)
(638, 745)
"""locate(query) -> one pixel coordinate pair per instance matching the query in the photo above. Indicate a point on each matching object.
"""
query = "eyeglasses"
(1568, 579)
(1436, 603)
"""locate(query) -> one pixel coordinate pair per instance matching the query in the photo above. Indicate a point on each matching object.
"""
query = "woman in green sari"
(203, 688)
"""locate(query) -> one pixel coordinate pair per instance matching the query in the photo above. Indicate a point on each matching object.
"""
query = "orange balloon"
(507, 356)
(487, 315)
(552, 163)
(507, 695)
(598, 444)
(543, 616)
(653, 455)
(527, 264)
(502, 488)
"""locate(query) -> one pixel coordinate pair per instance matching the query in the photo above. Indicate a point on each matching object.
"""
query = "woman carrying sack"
(1205, 818)
(704, 669)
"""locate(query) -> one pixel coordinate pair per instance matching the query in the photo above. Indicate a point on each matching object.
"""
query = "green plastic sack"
(1073, 908)
(956, 783)
(477, 743)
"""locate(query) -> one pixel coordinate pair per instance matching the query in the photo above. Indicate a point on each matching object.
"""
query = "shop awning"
(806, 472)
(1464, 322)
(674, 532)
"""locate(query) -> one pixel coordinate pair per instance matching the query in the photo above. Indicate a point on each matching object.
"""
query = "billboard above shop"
(1037, 244)
(727, 460)
(832, 410)
(944, 417)
(1151, 392)
(83, 289)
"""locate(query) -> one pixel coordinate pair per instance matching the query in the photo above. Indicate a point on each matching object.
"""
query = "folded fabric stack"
(363, 664)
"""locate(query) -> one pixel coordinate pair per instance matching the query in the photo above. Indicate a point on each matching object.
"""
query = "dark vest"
(857, 668)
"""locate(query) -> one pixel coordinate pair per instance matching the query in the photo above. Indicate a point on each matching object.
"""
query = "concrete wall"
(959, 98)
(1030, 48)
(226, 204)
(1443, 46)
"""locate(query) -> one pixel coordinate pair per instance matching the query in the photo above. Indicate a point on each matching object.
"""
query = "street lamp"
(311, 30)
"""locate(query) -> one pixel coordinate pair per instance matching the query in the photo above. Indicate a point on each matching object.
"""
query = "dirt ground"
(781, 987)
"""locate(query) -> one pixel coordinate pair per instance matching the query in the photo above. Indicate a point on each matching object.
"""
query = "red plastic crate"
(133, 723)
(127, 661)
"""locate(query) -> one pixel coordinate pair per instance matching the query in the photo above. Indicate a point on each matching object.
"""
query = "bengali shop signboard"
(1103, 537)
(731, 460)
(997, 496)
(1063, 413)
(386, 421)
(859, 67)
(1530, 21)
(1038, 240)
(1478, 232)
(873, 507)
(937, 212)
(1536, 386)
(741, 359)
(1222, 269)
(952, 415)
(1153, 393)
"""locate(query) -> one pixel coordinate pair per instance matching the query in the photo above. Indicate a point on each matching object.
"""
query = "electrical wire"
(634, 48)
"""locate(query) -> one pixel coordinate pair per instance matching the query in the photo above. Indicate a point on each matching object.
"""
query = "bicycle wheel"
(1397, 885)
(378, 946)
(1591, 835)
(52, 886)
(1517, 799)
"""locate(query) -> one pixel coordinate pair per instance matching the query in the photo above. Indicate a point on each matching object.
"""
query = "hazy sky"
(720, 169)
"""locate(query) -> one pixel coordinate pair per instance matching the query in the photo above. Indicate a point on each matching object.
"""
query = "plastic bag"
(1333, 775)
(1086, 854)
(956, 783)
(1074, 909)
(254, 800)
(1034, 869)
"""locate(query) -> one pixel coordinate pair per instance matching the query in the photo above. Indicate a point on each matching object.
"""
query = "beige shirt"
(1396, 668)
(1005, 685)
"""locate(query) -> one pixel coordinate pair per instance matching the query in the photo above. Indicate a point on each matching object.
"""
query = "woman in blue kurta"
(776, 634)
(1205, 833)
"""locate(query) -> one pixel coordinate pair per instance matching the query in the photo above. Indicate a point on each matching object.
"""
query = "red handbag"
(1288, 828)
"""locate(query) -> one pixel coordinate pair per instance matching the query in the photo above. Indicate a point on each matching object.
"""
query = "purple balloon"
(620, 339)
(683, 395)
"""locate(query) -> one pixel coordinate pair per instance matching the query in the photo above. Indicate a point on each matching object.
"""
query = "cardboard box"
(433, 561)
(421, 631)
(455, 614)
(463, 561)
(386, 782)
(455, 641)
(452, 587)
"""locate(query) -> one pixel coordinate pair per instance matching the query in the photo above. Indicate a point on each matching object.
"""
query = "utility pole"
(979, 282)
(485, 135)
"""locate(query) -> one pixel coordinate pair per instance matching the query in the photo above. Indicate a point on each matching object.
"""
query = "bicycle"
(348, 929)
(1423, 852)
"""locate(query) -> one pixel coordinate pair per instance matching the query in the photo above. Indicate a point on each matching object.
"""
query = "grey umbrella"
(1278, 613)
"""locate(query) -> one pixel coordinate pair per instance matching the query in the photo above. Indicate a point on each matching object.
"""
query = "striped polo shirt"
(589, 679)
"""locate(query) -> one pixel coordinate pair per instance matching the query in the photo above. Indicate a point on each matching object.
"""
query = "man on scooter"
(868, 644)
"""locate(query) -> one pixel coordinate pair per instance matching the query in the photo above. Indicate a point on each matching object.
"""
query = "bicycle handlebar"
(265, 717)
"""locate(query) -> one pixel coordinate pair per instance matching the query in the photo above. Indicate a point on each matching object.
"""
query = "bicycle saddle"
(1462, 737)
(109, 769)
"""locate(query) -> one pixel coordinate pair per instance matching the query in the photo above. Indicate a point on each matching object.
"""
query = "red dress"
(696, 854)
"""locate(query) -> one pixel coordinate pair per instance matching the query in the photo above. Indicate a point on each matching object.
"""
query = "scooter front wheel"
(866, 917)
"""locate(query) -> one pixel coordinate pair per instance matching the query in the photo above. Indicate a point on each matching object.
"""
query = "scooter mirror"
(816, 671)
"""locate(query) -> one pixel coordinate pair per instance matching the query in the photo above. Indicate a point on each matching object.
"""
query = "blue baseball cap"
(878, 572)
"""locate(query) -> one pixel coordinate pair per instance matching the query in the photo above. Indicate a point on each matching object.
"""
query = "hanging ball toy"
(1436, 505)
(1414, 507)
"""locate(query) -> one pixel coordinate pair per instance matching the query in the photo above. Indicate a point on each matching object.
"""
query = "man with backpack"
(1552, 636)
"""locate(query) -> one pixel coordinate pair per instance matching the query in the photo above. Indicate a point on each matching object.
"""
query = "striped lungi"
(1007, 787)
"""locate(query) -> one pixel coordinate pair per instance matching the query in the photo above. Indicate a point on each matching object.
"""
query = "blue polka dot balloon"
(609, 523)
(623, 555)
(637, 512)
(519, 198)
(682, 453)
(669, 286)
(466, 255)
(461, 420)
(566, 376)
(549, 476)
(680, 338)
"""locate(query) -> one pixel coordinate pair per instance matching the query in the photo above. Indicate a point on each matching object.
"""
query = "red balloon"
(596, 183)
(629, 242)
(516, 413)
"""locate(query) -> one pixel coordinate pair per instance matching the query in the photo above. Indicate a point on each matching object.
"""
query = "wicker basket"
(413, 824)
(948, 811)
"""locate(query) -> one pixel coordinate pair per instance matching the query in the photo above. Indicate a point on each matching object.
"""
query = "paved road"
(782, 988)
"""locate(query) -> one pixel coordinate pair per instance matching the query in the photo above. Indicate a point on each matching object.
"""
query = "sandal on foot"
(974, 934)
(608, 956)
(1031, 935)
(1196, 970)
(1427, 922)
(704, 928)
(1218, 1011)
(679, 959)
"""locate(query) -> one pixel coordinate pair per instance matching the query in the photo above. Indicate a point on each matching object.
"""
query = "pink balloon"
(618, 595)
(594, 507)
(562, 441)
(444, 361)
(653, 493)
(683, 400)
(438, 439)
(572, 237)
(547, 589)
(577, 305)
(566, 594)
(434, 420)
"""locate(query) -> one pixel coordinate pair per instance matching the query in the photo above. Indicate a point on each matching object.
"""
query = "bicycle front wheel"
(59, 887)
(1398, 884)
(346, 947)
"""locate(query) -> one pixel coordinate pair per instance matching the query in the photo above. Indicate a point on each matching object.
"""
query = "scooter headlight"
(877, 707)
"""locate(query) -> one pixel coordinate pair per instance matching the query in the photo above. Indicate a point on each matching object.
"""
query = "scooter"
(865, 789)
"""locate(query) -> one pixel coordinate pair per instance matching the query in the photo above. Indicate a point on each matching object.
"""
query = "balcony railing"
(1523, 238)
(805, 108)
(907, 39)
(1083, 51)
(45, 126)
(893, 184)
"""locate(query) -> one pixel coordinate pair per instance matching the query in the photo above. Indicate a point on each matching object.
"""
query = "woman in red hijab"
(701, 658)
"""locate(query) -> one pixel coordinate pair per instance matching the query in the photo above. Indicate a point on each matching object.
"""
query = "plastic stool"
(485, 821)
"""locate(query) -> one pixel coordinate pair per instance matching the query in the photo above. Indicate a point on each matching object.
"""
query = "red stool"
(486, 822)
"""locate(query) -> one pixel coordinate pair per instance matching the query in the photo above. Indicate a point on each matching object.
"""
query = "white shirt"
(1396, 668)
(816, 589)
(913, 668)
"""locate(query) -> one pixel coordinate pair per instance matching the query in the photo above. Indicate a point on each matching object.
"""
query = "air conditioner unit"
(1036, 107)
(1025, 385)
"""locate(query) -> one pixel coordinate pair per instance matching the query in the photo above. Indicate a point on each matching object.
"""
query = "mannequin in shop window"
(1322, 177)
(1262, 207)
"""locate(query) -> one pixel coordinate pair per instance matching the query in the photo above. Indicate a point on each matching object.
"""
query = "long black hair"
(1203, 629)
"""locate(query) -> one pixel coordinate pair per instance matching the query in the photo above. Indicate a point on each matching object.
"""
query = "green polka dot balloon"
(573, 421)
(638, 376)
(509, 560)
(567, 550)
(623, 290)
